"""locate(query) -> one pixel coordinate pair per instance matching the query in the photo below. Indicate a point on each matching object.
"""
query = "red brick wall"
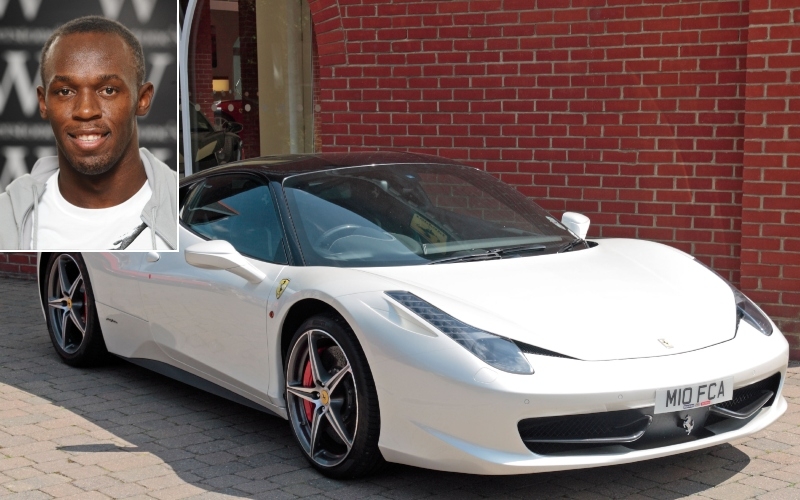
(770, 260)
(20, 265)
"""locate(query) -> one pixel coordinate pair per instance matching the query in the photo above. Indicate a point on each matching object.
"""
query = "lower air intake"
(635, 429)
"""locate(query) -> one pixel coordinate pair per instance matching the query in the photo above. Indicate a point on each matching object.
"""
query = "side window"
(240, 210)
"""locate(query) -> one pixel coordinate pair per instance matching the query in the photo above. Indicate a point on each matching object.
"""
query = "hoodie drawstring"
(35, 218)
(153, 229)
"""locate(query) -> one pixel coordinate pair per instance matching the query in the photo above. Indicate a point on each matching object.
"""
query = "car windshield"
(391, 215)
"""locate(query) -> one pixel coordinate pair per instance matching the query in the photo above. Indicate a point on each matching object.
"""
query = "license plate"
(694, 396)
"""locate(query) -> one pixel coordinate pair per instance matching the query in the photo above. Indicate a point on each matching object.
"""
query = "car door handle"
(153, 256)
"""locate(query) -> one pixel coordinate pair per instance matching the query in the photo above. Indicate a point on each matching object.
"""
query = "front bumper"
(442, 408)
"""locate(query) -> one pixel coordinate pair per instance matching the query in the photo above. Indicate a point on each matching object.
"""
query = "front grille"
(664, 429)
(749, 393)
(743, 396)
(612, 424)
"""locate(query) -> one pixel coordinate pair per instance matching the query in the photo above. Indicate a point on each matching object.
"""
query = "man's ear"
(145, 99)
(42, 104)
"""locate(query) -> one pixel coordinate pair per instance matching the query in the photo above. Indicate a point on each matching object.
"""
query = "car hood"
(621, 299)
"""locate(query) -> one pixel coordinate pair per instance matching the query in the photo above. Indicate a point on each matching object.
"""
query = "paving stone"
(27, 495)
(225, 481)
(717, 477)
(162, 482)
(252, 487)
(217, 458)
(96, 483)
(177, 492)
(23, 473)
(355, 491)
(587, 495)
(88, 495)
(765, 483)
(139, 474)
(124, 490)
(685, 486)
(274, 495)
(7, 463)
(781, 475)
(130, 461)
(220, 470)
(297, 476)
(306, 490)
(62, 490)
(782, 494)
(782, 457)
(760, 466)
(768, 444)
(83, 472)
(734, 491)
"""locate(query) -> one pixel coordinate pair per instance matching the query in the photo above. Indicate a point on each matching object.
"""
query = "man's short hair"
(98, 24)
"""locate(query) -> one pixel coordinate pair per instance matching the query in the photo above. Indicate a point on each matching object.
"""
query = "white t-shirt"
(63, 226)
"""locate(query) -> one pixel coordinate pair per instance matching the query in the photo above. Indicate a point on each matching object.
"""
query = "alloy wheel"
(322, 398)
(67, 301)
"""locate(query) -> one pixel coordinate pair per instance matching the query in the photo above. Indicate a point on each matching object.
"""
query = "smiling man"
(102, 192)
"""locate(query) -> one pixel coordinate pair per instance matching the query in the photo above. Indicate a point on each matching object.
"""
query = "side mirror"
(219, 254)
(233, 127)
(577, 223)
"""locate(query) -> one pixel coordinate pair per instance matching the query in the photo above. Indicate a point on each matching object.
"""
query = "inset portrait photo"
(88, 134)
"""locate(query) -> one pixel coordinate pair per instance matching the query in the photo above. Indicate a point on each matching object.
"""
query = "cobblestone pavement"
(120, 431)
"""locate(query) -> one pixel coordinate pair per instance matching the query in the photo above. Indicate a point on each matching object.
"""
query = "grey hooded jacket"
(20, 203)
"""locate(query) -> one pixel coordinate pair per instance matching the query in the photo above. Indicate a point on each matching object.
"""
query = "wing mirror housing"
(219, 254)
(233, 127)
(577, 223)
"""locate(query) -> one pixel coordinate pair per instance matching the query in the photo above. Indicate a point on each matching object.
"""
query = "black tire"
(70, 311)
(344, 392)
(226, 153)
(231, 148)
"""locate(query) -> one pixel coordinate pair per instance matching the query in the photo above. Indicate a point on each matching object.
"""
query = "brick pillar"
(248, 51)
(199, 65)
(770, 259)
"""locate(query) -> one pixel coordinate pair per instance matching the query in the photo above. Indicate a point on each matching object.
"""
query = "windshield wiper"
(495, 253)
(520, 249)
(490, 255)
(569, 246)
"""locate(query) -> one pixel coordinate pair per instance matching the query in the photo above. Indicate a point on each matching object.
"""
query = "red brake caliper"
(308, 381)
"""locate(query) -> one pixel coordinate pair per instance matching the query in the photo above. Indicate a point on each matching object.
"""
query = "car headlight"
(748, 311)
(492, 349)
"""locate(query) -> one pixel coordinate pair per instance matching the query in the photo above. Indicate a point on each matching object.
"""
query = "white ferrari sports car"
(402, 308)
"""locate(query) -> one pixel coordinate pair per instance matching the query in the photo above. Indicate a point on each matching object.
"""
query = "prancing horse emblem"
(665, 343)
(281, 287)
(688, 424)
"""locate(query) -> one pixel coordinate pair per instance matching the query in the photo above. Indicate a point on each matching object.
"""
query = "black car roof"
(278, 167)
